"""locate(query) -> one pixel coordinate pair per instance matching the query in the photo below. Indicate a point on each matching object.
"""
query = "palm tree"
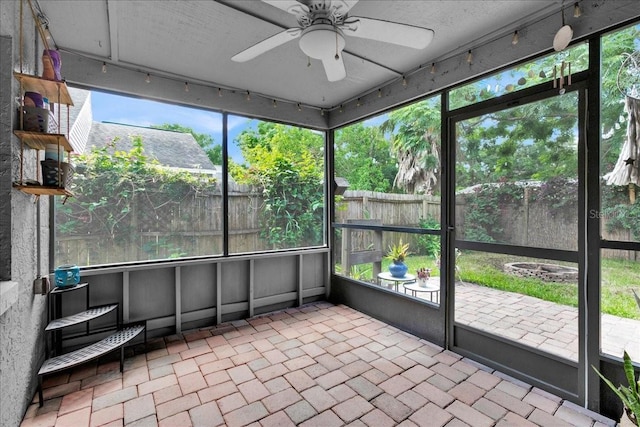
(415, 142)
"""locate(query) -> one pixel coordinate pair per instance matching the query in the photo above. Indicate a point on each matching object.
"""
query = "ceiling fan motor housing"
(322, 41)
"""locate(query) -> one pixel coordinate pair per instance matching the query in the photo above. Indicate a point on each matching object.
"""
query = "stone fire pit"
(545, 272)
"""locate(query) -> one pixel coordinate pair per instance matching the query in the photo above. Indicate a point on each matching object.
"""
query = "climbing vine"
(118, 193)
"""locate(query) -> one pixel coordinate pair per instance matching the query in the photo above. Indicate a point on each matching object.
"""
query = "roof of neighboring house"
(169, 148)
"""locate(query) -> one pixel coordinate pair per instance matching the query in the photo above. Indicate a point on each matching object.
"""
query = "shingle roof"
(170, 148)
(174, 149)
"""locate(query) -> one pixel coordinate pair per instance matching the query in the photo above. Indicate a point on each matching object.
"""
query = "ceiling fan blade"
(389, 32)
(267, 44)
(291, 6)
(334, 68)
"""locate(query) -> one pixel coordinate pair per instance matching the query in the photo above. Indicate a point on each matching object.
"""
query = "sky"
(140, 112)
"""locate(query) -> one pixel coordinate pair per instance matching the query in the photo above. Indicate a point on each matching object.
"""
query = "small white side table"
(387, 277)
(433, 287)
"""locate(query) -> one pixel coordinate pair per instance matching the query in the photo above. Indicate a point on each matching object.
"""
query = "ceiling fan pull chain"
(337, 56)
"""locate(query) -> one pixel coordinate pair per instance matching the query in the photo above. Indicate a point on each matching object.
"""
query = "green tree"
(362, 157)
(415, 141)
(529, 142)
(287, 163)
(113, 190)
(213, 150)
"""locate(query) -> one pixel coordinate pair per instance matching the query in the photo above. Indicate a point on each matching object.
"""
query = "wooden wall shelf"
(55, 92)
(40, 140)
(41, 190)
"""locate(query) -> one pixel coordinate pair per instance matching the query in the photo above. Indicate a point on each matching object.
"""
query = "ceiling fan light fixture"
(322, 41)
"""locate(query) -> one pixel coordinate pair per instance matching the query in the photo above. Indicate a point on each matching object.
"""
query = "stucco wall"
(21, 345)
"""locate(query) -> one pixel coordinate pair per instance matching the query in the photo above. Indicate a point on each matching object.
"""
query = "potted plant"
(423, 274)
(630, 394)
(397, 254)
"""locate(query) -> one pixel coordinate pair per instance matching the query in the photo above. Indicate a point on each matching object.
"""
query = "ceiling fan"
(323, 25)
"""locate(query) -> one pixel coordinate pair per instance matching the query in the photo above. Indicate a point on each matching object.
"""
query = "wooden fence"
(190, 227)
(194, 227)
(531, 223)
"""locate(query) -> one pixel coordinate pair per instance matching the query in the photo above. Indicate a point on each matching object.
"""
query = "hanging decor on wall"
(627, 168)
(560, 42)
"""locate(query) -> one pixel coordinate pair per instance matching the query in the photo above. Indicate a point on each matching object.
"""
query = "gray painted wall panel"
(152, 289)
(151, 293)
(6, 113)
(235, 282)
(409, 314)
(532, 366)
(21, 326)
(198, 287)
(276, 276)
(313, 269)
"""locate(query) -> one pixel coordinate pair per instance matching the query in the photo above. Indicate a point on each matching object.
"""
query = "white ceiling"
(194, 40)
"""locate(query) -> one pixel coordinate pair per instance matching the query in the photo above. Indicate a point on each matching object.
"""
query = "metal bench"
(90, 352)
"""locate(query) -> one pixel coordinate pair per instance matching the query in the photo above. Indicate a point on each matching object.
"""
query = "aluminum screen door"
(517, 203)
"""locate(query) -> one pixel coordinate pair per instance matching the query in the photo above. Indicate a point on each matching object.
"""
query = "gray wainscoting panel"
(235, 281)
(313, 270)
(529, 365)
(151, 293)
(409, 314)
(276, 276)
(198, 287)
(186, 294)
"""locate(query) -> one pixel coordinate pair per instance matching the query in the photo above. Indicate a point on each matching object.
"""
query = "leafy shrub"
(429, 244)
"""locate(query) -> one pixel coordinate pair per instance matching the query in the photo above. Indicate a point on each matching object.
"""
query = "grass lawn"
(618, 278)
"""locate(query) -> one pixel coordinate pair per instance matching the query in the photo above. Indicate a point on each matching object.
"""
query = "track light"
(220, 92)
(404, 81)
(186, 86)
(516, 38)
(299, 107)
(248, 96)
(379, 93)
(275, 104)
(104, 67)
(358, 102)
(148, 78)
(433, 68)
(469, 57)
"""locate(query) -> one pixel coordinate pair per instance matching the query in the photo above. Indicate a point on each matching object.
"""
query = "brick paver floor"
(317, 365)
(542, 324)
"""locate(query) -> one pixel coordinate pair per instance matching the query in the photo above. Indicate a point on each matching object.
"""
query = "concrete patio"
(317, 365)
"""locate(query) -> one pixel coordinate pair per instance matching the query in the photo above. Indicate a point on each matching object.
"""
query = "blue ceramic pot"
(67, 275)
(398, 269)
